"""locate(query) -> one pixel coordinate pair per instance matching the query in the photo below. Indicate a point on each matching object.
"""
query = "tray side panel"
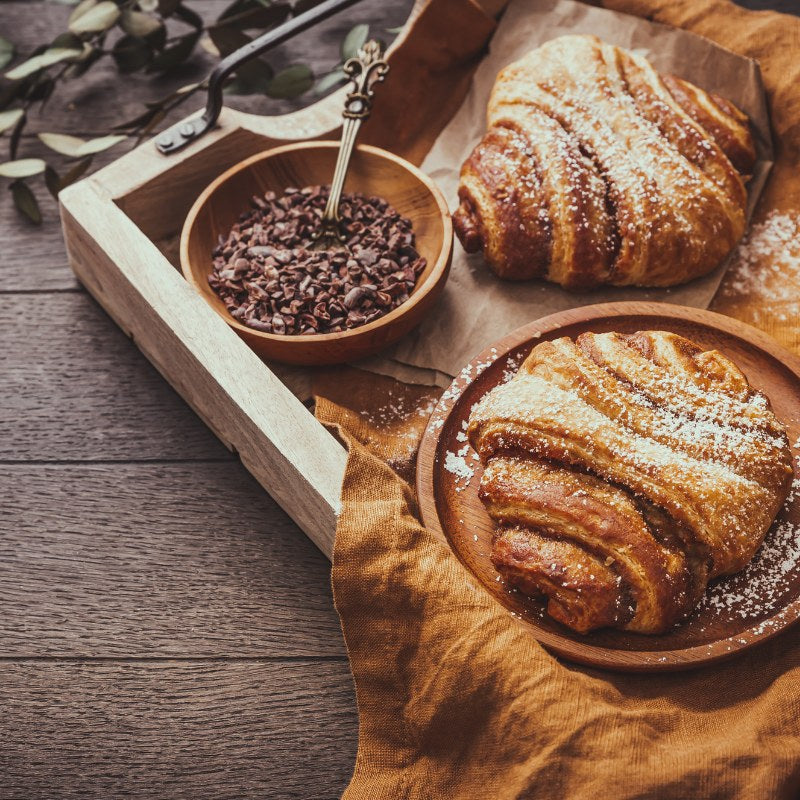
(291, 454)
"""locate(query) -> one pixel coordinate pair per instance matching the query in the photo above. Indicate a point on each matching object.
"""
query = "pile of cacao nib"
(270, 281)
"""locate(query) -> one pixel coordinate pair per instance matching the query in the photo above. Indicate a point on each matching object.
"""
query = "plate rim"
(569, 649)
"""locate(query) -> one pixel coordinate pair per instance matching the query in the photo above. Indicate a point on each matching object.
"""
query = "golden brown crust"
(643, 451)
(600, 520)
(727, 125)
(512, 203)
(581, 590)
(530, 219)
(616, 178)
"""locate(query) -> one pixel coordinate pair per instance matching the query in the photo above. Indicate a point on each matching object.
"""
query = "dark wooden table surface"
(165, 629)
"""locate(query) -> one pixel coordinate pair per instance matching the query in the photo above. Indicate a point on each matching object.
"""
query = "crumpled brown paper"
(477, 308)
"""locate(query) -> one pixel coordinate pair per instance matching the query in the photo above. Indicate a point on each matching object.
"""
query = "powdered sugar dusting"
(695, 429)
(762, 586)
(456, 463)
(767, 265)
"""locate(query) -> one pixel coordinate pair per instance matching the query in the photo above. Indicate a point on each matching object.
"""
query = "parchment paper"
(478, 308)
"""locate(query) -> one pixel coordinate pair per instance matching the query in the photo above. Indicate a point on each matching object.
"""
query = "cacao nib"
(270, 280)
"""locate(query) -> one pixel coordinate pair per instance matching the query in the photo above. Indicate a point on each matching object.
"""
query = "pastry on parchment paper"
(595, 169)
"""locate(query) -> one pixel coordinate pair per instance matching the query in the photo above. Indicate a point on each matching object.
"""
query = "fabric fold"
(456, 699)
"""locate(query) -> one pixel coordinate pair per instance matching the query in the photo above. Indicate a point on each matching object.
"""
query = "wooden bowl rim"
(439, 269)
(575, 651)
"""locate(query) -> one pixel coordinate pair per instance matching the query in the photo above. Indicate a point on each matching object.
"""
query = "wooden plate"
(738, 612)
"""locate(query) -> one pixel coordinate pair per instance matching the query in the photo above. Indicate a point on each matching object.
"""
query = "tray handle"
(180, 134)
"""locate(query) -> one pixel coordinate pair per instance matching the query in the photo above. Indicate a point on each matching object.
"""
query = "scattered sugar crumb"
(761, 587)
(456, 464)
(767, 264)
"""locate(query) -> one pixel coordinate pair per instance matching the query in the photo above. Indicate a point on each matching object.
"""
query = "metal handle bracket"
(180, 134)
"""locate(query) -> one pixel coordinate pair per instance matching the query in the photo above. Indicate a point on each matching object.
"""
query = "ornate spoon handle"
(365, 70)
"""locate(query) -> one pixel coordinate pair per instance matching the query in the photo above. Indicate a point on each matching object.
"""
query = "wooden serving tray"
(739, 611)
(122, 225)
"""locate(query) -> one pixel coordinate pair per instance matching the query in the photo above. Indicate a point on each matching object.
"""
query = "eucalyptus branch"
(140, 36)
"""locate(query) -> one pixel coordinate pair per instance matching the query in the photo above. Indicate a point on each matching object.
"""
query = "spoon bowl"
(372, 171)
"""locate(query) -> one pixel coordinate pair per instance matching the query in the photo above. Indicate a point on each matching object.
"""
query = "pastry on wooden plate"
(595, 169)
(624, 472)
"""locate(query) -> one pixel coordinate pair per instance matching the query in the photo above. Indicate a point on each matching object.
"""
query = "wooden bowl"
(372, 171)
(450, 506)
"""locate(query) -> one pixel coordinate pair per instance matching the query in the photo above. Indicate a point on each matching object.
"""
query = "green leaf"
(234, 9)
(101, 143)
(189, 87)
(62, 143)
(11, 91)
(42, 89)
(23, 168)
(250, 82)
(16, 135)
(90, 56)
(8, 119)
(74, 147)
(80, 10)
(354, 41)
(46, 59)
(76, 172)
(244, 18)
(330, 80)
(25, 201)
(95, 19)
(291, 82)
(189, 16)
(175, 54)
(158, 39)
(6, 52)
(130, 54)
(158, 117)
(134, 23)
(56, 183)
(68, 40)
(226, 39)
(207, 43)
(252, 77)
(395, 31)
(52, 181)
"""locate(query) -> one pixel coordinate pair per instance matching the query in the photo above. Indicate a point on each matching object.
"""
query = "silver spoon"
(365, 70)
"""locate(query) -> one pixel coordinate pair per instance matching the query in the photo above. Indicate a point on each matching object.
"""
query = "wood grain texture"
(145, 560)
(105, 561)
(92, 105)
(450, 505)
(75, 388)
(140, 198)
(170, 729)
(103, 727)
(236, 394)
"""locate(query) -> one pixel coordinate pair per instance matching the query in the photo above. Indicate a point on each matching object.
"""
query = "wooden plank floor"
(165, 629)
